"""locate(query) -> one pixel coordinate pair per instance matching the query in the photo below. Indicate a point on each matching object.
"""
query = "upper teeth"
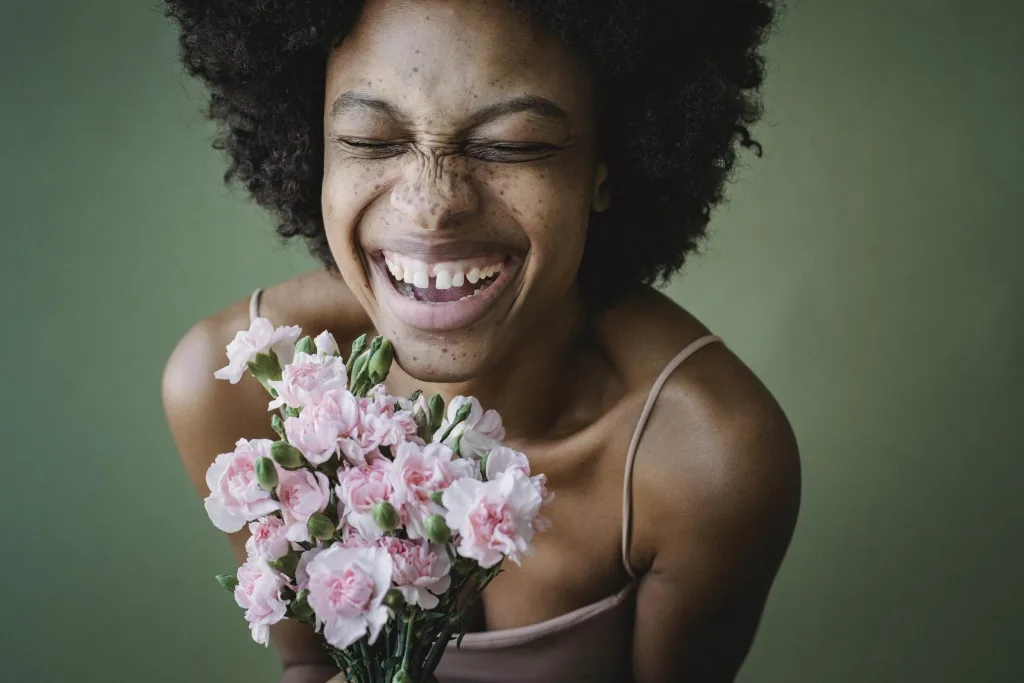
(444, 275)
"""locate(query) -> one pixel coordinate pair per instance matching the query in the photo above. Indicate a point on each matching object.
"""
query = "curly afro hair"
(678, 88)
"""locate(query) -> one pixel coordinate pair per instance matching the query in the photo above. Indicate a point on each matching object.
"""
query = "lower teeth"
(408, 290)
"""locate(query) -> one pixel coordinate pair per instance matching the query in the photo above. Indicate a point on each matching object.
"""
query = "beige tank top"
(593, 643)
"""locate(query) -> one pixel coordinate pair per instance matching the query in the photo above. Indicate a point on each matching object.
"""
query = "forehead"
(442, 59)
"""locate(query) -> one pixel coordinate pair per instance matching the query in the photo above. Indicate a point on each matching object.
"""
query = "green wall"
(867, 268)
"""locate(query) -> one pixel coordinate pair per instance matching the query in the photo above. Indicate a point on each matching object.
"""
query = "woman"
(495, 186)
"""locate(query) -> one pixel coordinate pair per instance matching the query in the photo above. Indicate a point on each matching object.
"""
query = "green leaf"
(229, 581)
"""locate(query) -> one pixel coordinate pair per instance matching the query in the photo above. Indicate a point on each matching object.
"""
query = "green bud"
(394, 599)
(229, 581)
(437, 530)
(436, 404)
(386, 516)
(266, 473)
(460, 416)
(320, 527)
(300, 605)
(437, 497)
(286, 455)
(306, 345)
(286, 564)
(380, 362)
(415, 395)
(358, 367)
(464, 565)
(422, 421)
(278, 424)
(358, 346)
(401, 677)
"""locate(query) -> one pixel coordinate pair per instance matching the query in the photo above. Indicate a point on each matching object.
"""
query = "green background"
(867, 269)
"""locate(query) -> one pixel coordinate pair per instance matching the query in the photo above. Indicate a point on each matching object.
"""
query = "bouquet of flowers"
(377, 519)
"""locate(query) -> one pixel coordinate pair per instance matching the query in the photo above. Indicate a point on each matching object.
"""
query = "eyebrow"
(534, 104)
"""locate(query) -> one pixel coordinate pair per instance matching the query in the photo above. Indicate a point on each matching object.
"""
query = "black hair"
(680, 82)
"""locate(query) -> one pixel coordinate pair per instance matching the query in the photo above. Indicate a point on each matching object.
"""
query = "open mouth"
(442, 285)
(443, 296)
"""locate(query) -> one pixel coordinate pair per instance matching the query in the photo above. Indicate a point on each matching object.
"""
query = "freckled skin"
(535, 204)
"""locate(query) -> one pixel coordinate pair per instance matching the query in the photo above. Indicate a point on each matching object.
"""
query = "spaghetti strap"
(627, 484)
(254, 304)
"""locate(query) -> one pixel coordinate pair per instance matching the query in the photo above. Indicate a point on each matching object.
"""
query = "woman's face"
(459, 174)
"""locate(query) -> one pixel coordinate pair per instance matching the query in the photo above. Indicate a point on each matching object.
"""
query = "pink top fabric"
(593, 643)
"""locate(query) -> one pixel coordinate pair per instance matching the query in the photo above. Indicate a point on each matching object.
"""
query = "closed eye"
(511, 152)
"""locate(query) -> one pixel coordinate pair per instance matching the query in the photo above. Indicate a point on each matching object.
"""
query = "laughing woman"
(497, 186)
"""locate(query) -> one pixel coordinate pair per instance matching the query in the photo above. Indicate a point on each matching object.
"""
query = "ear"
(601, 195)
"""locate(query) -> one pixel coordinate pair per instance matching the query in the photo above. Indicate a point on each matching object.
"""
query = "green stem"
(408, 639)
(367, 660)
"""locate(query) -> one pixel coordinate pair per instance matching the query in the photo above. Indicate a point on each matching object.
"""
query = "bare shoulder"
(718, 459)
(207, 415)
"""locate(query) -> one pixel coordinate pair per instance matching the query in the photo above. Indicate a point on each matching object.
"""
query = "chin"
(442, 361)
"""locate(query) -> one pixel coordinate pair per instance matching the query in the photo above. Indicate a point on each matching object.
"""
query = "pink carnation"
(484, 423)
(326, 345)
(306, 380)
(421, 570)
(261, 337)
(359, 489)
(301, 576)
(418, 472)
(346, 591)
(259, 593)
(268, 538)
(322, 427)
(302, 494)
(502, 458)
(493, 519)
(235, 496)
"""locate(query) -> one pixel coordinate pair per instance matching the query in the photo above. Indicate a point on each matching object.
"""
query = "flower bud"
(286, 455)
(358, 346)
(266, 473)
(422, 421)
(460, 416)
(437, 530)
(358, 370)
(437, 497)
(415, 395)
(380, 362)
(320, 527)
(229, 581)
(306, 345)
(394, 599)
(386, 516)
(436, 404)
(278, 424)
(401, 677)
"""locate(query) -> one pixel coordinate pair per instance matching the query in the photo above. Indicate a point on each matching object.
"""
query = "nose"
(434, 191)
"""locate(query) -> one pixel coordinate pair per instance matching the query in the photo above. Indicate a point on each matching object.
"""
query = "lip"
(436, 251)
(451, 315)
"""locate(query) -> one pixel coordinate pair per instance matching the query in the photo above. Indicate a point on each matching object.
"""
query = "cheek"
(553, 208)
(347, 191)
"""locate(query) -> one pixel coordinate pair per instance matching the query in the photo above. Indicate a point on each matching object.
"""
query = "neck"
(528, 385)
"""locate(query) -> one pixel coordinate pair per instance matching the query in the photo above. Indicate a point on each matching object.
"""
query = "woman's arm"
(206, 417)
(713, 523)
